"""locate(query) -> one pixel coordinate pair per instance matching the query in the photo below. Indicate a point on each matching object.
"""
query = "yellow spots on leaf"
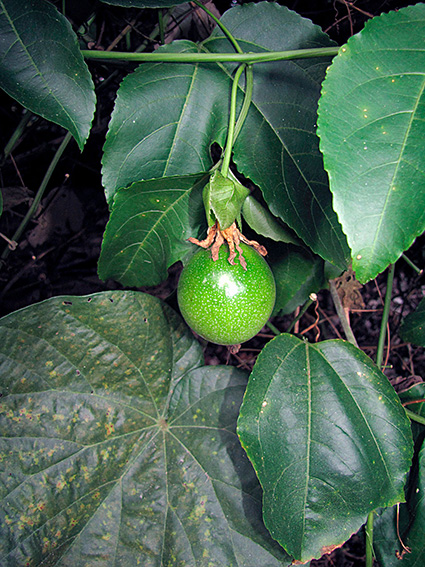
(49, 363)
(106, 537)
(110, 429)
(60, 485)
(199, 510)
(58, 417)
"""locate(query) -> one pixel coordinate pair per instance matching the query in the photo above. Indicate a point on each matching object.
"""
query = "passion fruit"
(223, 303)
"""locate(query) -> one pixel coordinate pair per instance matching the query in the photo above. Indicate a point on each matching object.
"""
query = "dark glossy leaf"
(148, 229)
(412, 328)
(118, 447)
(328, 438)
(41, 65)
(388, 547)
(167, 116)
(371, 125)
(278, 147)
(298, 273)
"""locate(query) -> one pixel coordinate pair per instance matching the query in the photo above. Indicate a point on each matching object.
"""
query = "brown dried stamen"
(232, 235)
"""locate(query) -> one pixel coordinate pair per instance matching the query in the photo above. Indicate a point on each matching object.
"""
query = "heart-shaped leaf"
(412, 328)
(167, 116)
(148, 229)
(41, 65)
(328, 438)
(371, 125)
(117, 446)
(402, 535)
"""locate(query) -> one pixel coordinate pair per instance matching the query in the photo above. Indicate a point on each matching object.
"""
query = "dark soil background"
(58, 253)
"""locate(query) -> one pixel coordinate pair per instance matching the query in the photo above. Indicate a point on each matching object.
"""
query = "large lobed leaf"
(117, 447)
(41, 65)
(167, 116)
(371, 125)
(328, 438)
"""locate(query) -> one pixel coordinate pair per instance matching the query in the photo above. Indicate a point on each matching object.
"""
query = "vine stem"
(19, 130)
(39, 195)
(232, 118)
(385, 317)
(211, 57)
(341, 314)
(220, 24)
(369, 540)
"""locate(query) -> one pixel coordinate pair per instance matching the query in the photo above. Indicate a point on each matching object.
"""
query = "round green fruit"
(226, 304)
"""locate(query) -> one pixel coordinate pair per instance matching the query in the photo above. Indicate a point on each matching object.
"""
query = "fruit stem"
(249, 79)
(232, 117)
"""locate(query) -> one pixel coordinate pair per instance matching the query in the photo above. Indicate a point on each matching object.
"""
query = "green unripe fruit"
(226, 304)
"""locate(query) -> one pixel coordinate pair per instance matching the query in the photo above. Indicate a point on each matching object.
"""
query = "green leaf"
(297, 273)
(118, 447)
(224, 198)
(41, 65)
(412, 328)
(371, 125)
(148, 229)
(167, 116)
(411, 524)
(328, 438)
(264, 223)
(278, 146)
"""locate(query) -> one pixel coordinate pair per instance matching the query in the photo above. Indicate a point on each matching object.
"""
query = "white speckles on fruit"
(224, 303)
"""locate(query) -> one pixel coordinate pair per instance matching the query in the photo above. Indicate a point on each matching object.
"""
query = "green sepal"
(223, 199)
